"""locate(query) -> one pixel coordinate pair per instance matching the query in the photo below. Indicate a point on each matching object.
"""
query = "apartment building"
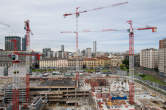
(162, 56)
(162, 60)
(149, 58)
(83, 63)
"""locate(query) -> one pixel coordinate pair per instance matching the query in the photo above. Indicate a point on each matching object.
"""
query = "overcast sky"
(47, 21)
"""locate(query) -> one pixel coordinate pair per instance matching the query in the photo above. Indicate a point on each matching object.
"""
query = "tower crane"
(77, 14)
(131, 51)
(28, 31)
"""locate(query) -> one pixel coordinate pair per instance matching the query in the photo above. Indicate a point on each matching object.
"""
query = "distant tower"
(62, 48)
(88, 53)
(94, 48)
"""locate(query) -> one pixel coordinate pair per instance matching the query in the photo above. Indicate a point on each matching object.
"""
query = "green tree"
(126, 63)
(122, 66)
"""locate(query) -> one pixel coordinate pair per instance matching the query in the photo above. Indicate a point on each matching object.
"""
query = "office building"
(9, 44)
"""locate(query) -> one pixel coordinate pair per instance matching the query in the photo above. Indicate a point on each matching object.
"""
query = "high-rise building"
(162, 60)
(9, 44)
(24, 44)
(162, 43)
(62, 48)
(162, 56)
(149, 58)
(88, 52)
(94, 48)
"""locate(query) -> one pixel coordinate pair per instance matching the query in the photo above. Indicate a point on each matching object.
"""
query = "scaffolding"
(12, 93)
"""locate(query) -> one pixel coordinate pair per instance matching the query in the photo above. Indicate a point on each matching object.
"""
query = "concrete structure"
(6, 62)
(4, 58)
(88, 52)
(9, 44)
(62, 90)
(149, 58)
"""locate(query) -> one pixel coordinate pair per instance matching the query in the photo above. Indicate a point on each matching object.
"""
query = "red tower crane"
(28, 31)
(131, 52)
(77, 13)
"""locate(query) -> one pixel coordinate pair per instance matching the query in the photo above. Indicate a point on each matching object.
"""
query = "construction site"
(86, 91)
(89, 92)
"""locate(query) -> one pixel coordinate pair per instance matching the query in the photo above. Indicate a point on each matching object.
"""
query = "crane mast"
(77, 51)
(131, 63)
(28, 30)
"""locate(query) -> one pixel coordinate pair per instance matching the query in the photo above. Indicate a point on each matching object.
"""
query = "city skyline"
(47, 22)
